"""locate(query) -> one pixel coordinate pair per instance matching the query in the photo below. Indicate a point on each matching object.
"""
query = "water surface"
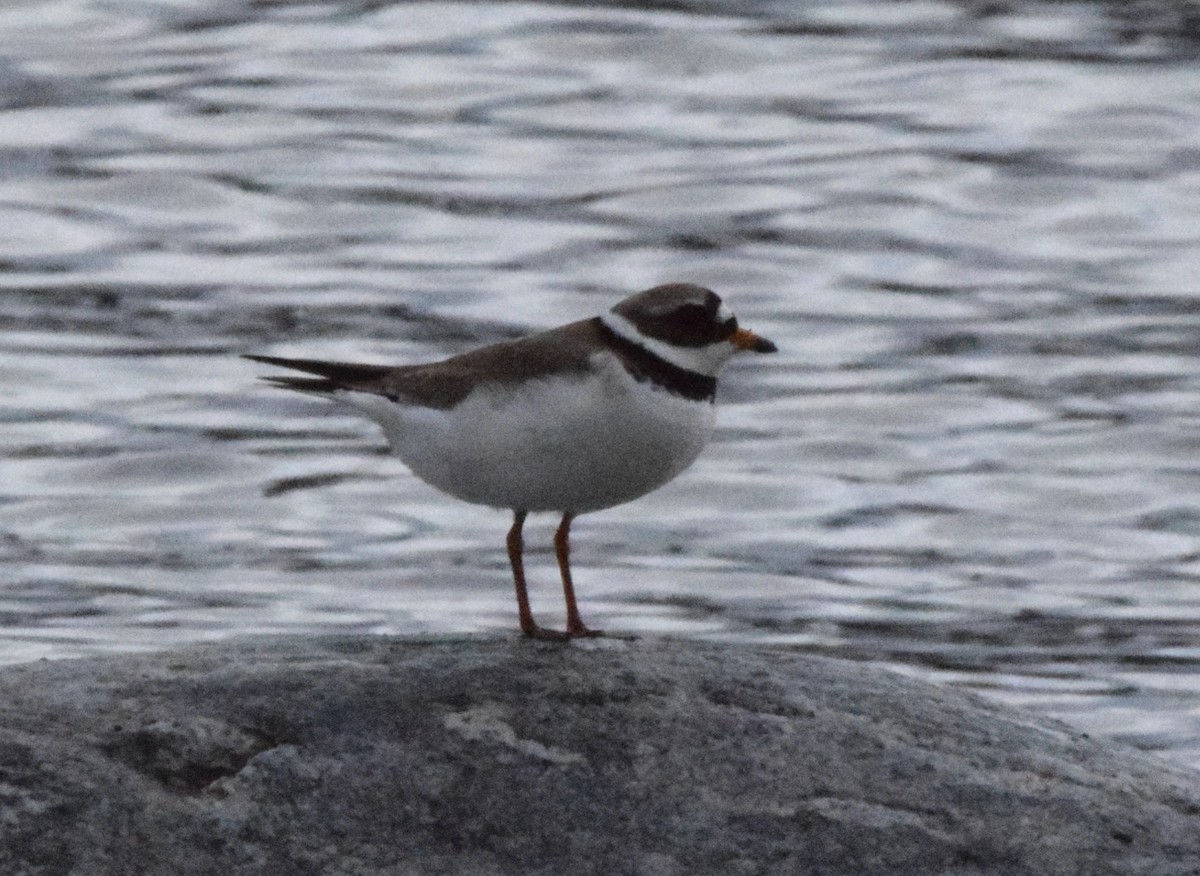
(973, 236)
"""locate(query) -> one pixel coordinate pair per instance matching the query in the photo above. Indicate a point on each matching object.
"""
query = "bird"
(574, 419)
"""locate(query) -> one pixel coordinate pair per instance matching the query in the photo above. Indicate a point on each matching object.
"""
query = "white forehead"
(724, 314)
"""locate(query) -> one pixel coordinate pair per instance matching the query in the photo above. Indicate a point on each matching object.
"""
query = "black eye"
(687, 323)
(694, 325)
(692, 317)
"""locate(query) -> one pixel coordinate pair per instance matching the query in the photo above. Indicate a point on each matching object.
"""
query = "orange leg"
(516, 549)
(562, 548)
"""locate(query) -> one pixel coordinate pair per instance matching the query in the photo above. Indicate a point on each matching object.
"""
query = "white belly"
(555, 444)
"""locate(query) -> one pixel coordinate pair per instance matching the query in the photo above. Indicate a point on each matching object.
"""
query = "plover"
(578, 418)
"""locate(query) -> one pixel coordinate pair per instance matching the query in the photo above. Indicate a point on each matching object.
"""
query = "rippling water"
(974, 237)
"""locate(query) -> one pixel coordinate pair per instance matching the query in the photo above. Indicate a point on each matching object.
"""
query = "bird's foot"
(578, 630)
(533, 631)
(573, 631)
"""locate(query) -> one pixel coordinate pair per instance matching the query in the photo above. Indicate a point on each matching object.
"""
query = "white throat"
(705, 360)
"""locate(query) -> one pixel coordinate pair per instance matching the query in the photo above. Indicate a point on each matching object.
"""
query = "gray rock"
(489, 756)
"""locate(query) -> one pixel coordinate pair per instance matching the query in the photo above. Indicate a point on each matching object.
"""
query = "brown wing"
(444, 384)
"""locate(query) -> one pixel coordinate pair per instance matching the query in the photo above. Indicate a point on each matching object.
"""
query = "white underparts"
(570, 443)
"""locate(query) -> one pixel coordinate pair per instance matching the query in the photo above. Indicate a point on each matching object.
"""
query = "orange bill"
(744, 339)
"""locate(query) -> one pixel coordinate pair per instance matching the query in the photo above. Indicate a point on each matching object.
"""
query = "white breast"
(573, 443)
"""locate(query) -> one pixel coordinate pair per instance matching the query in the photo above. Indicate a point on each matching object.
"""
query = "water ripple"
(969, 228)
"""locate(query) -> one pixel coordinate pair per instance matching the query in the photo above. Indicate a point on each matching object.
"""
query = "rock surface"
(503, 756)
